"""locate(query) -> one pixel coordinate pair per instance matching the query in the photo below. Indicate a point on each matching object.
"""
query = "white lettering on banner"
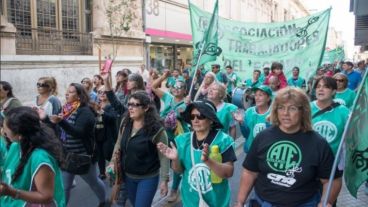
(281, 180)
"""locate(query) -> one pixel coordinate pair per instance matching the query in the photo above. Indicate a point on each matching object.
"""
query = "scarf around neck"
(69, 108)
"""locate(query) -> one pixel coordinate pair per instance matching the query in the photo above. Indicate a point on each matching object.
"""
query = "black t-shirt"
(227, 156)
(289, 166)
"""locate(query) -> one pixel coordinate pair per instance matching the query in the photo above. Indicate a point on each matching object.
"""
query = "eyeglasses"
(340, 80)
(42, 85)
(291, 109)
(134, 105)
(101, 92)
(198, 116)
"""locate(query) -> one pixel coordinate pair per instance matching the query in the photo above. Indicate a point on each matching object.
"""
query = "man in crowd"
(219, 75)
(232, 81)
(354, 77)
(254, 82)
(295, 80)
(362, 69)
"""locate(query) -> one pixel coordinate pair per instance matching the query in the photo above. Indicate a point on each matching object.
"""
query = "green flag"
(356, 162)
(205, 41)
(335, 55)
(249, 46)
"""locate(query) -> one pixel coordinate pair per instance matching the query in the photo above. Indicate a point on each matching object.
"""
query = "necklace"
(200, 146)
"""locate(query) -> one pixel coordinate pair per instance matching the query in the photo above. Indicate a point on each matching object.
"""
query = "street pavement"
(82, 195)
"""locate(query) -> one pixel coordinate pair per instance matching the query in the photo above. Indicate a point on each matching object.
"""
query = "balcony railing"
(44, 41)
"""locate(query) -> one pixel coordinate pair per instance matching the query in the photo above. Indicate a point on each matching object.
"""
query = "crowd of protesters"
(131, 134)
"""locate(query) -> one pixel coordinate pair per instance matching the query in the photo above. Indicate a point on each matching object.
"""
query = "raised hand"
(238, 116)
(107, 81)
(170, 153)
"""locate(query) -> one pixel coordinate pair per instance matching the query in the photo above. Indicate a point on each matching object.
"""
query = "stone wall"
(23, 71)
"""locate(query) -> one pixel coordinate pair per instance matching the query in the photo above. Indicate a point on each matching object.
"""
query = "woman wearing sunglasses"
(344, 95)
(46, 99)
(190, 156)
(174, 124)
(136, 159)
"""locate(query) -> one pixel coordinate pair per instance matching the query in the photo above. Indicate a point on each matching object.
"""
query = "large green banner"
(249, 46)
(356, 162)
(332, 56)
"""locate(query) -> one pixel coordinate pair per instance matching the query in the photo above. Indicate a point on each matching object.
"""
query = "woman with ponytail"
(31, 173)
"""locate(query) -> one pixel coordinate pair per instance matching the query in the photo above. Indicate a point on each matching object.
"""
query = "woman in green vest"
(31, 173)
(190, 156)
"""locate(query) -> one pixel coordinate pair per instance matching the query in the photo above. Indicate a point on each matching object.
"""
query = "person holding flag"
(207, 49)
(174, 125)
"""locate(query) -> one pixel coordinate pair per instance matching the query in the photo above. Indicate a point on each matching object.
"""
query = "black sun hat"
(206, 108)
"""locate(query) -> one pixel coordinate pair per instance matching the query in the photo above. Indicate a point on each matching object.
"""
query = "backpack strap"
(328, 108)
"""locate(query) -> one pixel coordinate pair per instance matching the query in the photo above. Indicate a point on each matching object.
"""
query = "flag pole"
(196, 68)
(325, 200)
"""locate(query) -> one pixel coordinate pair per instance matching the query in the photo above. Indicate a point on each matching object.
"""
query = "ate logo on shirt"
(258, 128)
(283, 155)
(326, 129)
(202, 173)
(340, 101)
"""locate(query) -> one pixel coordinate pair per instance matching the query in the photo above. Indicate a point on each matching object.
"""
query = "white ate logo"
(340, 101)
(202, 172)
(326, 129)
(258, 128)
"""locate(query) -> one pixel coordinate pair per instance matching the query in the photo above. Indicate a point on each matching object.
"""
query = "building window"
(19, 13)
(88, 15)
(50, 26)
(46, 14)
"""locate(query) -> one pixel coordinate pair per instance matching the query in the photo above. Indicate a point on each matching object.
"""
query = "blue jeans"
(313, 202)
(144, 188)
(94, 182)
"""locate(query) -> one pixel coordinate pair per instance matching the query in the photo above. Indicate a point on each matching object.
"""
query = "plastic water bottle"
(216, 156)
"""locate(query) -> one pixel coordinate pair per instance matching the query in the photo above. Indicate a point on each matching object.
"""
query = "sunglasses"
(42, 85)
(101, 92)
(198, 116)
(178, 87)
(134, 105)
(340, 80)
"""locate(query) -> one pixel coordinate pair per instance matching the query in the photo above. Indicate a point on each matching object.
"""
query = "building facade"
(69, 39)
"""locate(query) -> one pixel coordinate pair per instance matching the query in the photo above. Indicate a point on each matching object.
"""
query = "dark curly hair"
(26, 122)
(152, 121)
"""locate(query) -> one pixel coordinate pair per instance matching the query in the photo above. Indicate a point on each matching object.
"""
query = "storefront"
(170, 56)
(168, 28)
